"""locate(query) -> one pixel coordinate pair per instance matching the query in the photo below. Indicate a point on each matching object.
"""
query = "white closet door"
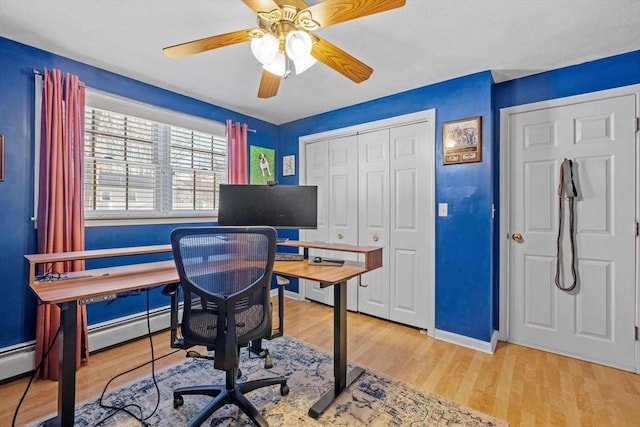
(373, 214)
(377, 190)
(332, 166)
(411, 257)
(317, 173)
(343, 205)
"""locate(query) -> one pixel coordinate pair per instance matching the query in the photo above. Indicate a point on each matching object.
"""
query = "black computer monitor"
(281, 206)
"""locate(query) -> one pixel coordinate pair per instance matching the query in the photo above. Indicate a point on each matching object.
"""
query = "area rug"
(372, 400)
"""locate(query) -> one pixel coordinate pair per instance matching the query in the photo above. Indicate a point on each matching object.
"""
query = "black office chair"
(225, 274)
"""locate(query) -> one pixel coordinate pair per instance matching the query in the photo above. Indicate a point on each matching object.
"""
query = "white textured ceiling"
(425, 42)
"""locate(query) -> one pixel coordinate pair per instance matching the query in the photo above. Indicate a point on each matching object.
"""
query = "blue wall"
(616, 71)
(464, 291)
(17, 234)
(466, 241)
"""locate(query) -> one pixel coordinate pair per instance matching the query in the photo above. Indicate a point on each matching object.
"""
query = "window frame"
(166, 119)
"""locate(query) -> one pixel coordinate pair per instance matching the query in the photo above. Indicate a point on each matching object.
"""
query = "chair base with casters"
(231, 393)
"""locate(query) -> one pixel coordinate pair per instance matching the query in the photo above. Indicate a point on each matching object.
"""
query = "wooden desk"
(98, 284)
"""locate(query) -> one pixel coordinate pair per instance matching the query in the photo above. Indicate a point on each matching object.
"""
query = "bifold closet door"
(333, 165)
(395, 210)
(411, 238)
(373, 222)
(343, 205)
(317, 173)
(375, 189)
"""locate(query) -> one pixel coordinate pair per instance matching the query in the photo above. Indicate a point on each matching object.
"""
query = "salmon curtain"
(60, 216)
(237, 152)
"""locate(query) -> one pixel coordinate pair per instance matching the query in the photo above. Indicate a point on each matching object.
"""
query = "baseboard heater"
(20, 359)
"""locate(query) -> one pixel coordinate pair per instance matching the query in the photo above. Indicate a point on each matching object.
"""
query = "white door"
(332, 165)
(373, 213)
(343, 205)
(411, 216)
(595, 321)
(317, 173)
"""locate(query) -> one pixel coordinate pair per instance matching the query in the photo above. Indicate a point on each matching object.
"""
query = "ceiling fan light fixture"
(265, 48)
(278, 66)
(303, 64)
(298, 46)
(285, 32)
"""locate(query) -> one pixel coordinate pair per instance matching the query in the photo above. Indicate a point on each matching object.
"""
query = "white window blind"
(198, 165)
(143, 161)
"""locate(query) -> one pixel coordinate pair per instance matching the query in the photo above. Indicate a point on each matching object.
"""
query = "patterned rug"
(372, 400)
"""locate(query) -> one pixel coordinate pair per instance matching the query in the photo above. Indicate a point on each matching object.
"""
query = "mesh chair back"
(225, 273)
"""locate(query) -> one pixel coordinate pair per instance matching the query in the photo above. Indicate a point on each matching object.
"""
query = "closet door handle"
(340, 236)
(376, 237)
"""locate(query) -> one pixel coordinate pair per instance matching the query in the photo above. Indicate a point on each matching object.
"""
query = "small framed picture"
(462, 141)
(261, 165)
(289, 165)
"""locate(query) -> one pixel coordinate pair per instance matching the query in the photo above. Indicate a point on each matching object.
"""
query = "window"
(146, 162)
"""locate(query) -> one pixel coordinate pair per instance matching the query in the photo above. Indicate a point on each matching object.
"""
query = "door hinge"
(637, 124)
(635, 334)
(637, 229)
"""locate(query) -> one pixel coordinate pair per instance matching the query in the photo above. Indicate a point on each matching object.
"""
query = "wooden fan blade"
(208, 43)
(331, 12)
(261, 5)
(340, 61)
(268, 85)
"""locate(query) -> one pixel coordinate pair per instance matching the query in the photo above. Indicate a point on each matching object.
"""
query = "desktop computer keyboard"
(287, 256)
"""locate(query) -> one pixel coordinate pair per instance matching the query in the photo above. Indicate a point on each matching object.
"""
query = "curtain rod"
(40, 73)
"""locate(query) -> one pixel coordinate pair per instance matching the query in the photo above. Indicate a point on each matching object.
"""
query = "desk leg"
(342, 378)
(67, 367)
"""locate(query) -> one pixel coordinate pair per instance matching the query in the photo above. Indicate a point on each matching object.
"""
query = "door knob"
(340, 236)
(375, 237)
(517, 237)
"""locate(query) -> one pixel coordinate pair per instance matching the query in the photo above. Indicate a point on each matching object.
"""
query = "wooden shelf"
(96, 253)
(372, 254)
(35, 259)
(372, 259)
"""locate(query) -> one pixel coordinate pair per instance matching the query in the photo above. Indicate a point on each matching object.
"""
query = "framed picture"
(1, 157)
(462, 141)
(261, 165)
(289, 165)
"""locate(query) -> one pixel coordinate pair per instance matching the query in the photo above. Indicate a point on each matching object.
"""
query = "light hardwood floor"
(523, 386)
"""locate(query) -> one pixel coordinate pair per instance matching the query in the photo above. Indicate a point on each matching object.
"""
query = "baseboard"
(475, 344)
(20, 359)
(287, 294)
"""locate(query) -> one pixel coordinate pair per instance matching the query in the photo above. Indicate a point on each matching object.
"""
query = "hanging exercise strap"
(566, 189)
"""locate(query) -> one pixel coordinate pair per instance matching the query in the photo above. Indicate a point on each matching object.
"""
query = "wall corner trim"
(464, 341)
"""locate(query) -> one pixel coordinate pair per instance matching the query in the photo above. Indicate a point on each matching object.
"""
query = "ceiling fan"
(284, 35)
